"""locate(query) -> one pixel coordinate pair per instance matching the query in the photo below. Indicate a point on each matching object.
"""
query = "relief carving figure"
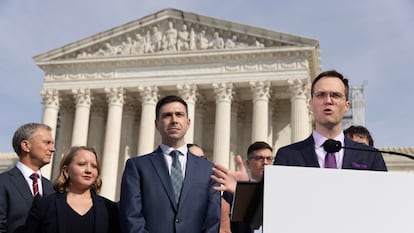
(192, 39)
(156, 39)
(202, 40)
(182, 42)
(148, 46)
(111, 51)
(170, 38)
(126, 46)
(99, 53)
(138, 46)
(258, 44)
(231, 43)
(217, 42)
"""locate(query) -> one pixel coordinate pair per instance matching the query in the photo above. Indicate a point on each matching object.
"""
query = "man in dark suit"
(34, 145)
(329, 102)
(169, 190)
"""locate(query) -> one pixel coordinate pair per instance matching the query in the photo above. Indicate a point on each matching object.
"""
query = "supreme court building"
(242, 84)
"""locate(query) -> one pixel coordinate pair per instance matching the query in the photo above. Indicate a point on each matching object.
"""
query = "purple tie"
(330, 161)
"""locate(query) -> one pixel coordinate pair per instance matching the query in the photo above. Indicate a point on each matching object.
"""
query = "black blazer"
(302, 154)
(16, 199)
(46, 215)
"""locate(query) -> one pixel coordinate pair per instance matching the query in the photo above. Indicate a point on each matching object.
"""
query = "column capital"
(223, 92)
(50, 98)
(188, 92)
(260, 90)
(82, 97)
(115, 96)
(148, 94)
(298, 88)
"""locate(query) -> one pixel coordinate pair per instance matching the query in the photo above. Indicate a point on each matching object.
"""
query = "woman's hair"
(61, 183)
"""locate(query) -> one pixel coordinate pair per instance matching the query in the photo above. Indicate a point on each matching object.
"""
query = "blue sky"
(371, 42)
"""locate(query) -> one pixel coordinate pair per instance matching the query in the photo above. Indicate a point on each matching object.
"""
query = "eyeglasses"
(263, 158)
(321, 95)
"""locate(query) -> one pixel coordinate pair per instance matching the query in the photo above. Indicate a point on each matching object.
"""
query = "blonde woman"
(75, 207)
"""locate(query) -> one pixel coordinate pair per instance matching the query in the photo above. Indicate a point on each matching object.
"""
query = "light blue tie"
(176, 174)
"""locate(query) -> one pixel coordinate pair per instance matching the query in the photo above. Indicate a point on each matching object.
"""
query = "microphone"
(332, 146)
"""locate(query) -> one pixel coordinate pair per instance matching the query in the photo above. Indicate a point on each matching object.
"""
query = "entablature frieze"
(190, 58)
(215, 64)
(278, 82)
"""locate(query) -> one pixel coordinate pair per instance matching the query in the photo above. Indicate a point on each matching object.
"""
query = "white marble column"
(82, 98)
(50, 101)
(199, 123)
(110, 158)
(97, 122)
(300, 115)
(261, 95)
(129, 133)
(149, 98)
(235, 133)
(189, 93)
(223, 96)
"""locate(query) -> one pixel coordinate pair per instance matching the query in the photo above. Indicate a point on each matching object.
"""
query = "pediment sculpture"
(167, 38)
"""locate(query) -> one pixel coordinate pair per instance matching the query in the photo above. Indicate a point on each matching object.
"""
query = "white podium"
(298, 199)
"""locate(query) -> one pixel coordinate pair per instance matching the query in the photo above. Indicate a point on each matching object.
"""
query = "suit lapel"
(101, 215)
(160, 166)
(309, 154)
(350, 156)
(17, 178)
(190, 170)
(46, 186)
(60, 210)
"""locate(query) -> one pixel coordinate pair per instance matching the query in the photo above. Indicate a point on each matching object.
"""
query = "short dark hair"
(169, 99)
(260, 145)
(358, 129)
(26, 132)
(332, 73)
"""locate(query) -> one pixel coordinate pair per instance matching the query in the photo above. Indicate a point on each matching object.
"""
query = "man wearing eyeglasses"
(259, 154)
(329, 102)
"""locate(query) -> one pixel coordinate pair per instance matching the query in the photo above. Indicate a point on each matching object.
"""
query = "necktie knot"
(175, 153)
(34, 176)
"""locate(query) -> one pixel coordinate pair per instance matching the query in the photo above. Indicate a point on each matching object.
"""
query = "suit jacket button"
(177, 220)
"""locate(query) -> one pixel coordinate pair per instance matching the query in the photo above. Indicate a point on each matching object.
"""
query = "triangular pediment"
(173, 31)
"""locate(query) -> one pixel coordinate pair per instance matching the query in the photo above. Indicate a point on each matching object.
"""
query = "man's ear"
(247, 162)
(25, 145)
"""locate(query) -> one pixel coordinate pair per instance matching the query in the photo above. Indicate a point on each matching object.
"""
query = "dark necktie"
(35, 178)
(330, 161)
(176, 174)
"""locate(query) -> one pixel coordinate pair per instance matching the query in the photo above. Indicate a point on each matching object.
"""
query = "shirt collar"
(319, 139)
(27, 172)
(167, 149)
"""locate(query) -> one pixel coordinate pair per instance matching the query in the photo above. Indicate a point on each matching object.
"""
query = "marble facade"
(242, 84)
